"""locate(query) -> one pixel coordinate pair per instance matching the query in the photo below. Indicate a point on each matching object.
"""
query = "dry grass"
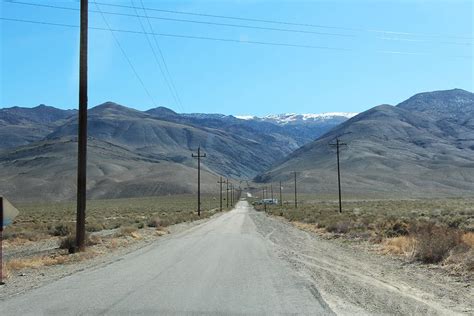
(6, 271)
(42, 220)
(468, 239)
(127, 231)
(401, 245)
(36, 262)
(430, 231)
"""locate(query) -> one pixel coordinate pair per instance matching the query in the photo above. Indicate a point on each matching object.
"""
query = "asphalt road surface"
(222, 267)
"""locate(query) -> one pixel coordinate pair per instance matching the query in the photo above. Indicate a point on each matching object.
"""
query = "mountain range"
(423, 146)
(133, 153)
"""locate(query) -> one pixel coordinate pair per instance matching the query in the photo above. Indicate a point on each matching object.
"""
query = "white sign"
(9, 212)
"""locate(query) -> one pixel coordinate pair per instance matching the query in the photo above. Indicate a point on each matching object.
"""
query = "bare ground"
(353, 280)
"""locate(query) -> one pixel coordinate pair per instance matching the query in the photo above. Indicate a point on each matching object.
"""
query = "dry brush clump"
(433, 243)
(401, 245)
(69, 242)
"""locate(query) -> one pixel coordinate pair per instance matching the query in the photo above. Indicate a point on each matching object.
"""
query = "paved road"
(221, 267)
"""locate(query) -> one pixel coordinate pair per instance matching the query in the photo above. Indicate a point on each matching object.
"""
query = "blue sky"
(39, 63)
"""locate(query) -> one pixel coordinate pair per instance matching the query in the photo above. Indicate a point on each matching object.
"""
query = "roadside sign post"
(7, 214)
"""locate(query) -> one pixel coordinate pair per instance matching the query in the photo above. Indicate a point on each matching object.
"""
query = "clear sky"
(431, 49)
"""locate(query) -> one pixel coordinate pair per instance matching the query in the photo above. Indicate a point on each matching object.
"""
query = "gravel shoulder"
(353, 280)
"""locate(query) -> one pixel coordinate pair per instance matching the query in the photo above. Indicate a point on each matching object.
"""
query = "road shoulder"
(354, 281)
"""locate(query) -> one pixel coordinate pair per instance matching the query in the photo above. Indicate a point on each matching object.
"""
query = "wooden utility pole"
(199, 156)
(227, 192)
(264, 203)
(338, 144)
(232, 194)
(82, 132)
(296, 196)
(281, 196)
(271, 190)
(220, 192)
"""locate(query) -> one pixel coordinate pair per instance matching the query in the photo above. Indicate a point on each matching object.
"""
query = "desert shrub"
(433, 242)
(339, 227)
(165, 222)
(395, 229)
(69, 242)
(61, 229)
(140, 225)
(127, 230)
(455, 222)
(155, 222)
(94, 226)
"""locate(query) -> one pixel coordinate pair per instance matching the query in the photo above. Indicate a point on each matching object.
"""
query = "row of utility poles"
(82, 145)
(338, 144)
(82, 141)
(229, 186)
(264, 190)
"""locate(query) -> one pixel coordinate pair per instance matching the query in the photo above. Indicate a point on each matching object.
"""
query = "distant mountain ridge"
(424, 146)
(129, 149)
(293, 118)
(409, 149)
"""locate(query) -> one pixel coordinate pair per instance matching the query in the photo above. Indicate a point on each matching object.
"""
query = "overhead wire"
(385, 37)
(126, 57)
(229, 40)
(182, 20)
(208, 38)
(162, 57)
(271, 21)
(160, 67)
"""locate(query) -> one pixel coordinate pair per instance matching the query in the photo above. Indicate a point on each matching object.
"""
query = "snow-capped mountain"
(293, 118)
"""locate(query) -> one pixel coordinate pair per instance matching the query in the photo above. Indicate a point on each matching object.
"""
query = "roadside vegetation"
(432, 231)
(44, 233)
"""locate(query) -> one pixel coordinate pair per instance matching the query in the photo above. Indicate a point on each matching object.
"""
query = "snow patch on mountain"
(293, 117)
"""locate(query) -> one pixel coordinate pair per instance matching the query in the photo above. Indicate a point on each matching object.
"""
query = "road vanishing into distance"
(221, 267)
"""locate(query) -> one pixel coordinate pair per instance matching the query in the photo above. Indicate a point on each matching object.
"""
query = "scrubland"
(44, 233)
(429, 231)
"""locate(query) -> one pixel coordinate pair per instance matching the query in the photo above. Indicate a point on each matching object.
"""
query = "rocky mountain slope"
(133, 153)
(424, 146)
(21, 126)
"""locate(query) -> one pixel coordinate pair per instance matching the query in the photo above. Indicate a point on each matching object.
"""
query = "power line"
(297, 24)
(163, 58)
(186, 20)
(125, 55)
(155, 56)
(184, 36)
(385, 38)
(228, 40)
